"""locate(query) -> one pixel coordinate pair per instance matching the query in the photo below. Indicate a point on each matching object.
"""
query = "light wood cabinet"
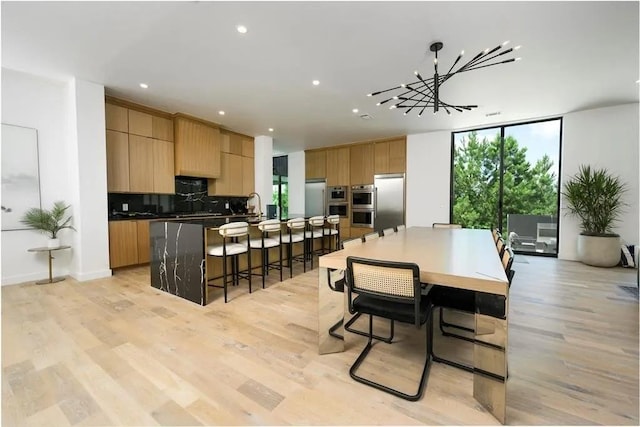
(361, 160)
(247, 147)
(230, 181)
(248, 175)
(390, 156)
(197, 149)
(338, 166)
(144, 246)
(129, 243)
(123, 243)
(117, 161)
(315, 163)
(141, 167)
(162, 128)
(163, 167)
(116, 118)
(140, 123)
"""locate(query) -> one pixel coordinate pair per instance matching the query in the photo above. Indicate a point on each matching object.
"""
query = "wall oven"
(340, 209)
(363, 218)
(337, 194)
(363, 197)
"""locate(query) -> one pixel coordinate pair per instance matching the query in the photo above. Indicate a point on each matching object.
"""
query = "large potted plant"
(49, 222)
(594, 196)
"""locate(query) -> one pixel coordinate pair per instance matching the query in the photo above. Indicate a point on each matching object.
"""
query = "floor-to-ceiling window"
(507, 177)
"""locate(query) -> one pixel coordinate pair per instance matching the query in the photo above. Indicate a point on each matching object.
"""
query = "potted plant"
(594, 196)
(49, 222)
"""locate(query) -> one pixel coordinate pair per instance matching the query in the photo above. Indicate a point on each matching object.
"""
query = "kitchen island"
(179, 264)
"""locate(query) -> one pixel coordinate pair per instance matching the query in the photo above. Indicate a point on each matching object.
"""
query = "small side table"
(47, 249)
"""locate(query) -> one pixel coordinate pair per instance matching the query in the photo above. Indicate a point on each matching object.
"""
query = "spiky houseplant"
(595, 197)
(48, 222)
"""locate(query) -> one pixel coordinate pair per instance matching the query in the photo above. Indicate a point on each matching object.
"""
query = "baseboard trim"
(93, 275)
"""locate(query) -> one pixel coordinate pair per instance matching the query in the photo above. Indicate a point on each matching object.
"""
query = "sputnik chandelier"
(425, 93)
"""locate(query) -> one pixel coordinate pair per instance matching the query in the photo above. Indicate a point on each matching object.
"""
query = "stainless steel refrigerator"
(315, 197)
(389, 201)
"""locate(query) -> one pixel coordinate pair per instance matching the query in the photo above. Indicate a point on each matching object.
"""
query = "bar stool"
(265, 242)
(292, 237)
(315, 232)
(333, 230)
(230, 247)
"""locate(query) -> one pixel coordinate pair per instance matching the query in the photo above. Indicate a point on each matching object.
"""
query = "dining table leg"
(490, 354)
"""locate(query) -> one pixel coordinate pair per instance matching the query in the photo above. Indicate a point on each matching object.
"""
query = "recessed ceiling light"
(221, 112)
(355, 110)
(316, 82)
(270, 129)
(144, 85)
(241, 29)
(637, 81)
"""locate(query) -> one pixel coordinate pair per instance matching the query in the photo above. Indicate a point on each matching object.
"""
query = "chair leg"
(442, 324)
(249, 266)
(332, 330)
(280, 248)
(351, 321)
(289, 253)
(365, 352)
(265, 266)
(224, 276)
(439, 359)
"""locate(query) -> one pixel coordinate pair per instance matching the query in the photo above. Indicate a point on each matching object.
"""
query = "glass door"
(530, 182)
(507, 177)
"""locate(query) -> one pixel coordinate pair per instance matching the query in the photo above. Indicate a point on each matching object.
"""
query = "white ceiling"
(575, 55)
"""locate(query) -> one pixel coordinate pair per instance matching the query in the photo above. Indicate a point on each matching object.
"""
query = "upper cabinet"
(162, 128)
(338, 166)
(237, 175)
(116, 118)
(140, 123)
(390, 156)
(197, 148)
(361, 160)
(140, 152)
(315, 163)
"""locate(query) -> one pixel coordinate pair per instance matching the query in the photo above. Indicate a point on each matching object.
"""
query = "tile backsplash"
(191, 197)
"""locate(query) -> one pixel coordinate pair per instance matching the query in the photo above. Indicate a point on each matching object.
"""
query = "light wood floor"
(118, 352)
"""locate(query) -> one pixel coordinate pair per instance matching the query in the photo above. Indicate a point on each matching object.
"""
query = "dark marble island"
(178, 258)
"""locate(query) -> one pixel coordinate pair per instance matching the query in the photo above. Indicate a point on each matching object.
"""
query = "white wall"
(603, 137)
(263, 162)
(428, 176)
(296, 182)
(71, 144)
(88, 180)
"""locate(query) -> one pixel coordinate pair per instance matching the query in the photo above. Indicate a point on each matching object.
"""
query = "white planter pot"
(53, 243)
(599, 251)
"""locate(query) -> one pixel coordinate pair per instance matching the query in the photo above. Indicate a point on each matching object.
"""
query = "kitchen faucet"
(259, 203)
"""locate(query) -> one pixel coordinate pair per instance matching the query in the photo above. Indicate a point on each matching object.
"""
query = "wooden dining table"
(457, 258)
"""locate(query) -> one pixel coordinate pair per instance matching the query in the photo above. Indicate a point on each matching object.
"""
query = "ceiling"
(575, 55)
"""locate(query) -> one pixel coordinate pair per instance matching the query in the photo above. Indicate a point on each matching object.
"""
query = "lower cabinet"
(128, 243)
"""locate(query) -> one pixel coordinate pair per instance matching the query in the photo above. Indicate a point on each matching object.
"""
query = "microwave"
(363, 197)
(337, 194)
(340, 209)
(363, 218)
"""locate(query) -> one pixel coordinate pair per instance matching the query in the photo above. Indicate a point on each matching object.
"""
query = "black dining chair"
(390, 290)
